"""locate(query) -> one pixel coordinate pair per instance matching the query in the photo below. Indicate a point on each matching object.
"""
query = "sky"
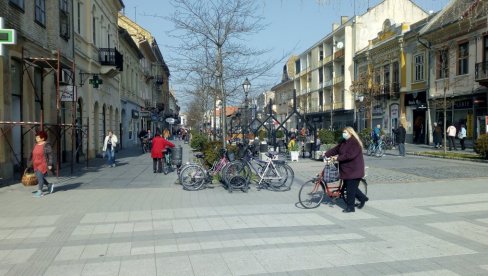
(281, 16)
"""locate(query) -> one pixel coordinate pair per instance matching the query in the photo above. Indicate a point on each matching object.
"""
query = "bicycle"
(378, 148)
(167, 161)
(194, 175)
(312, 192)
(272, 174)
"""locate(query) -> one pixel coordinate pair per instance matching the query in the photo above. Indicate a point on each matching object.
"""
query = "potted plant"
(294, 151)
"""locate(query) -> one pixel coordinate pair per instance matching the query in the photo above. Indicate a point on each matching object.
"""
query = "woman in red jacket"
(349, 154)
(159, 144)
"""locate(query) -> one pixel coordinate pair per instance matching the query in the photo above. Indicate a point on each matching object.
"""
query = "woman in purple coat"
(349, 154)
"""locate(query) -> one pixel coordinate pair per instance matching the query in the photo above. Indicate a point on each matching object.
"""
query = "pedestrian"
(401, 133)
(437, 133)
(159, 144)
(451, 134)
(109, 146)
(376, 135)
(42, 161)
(462, 136)
(349, 154)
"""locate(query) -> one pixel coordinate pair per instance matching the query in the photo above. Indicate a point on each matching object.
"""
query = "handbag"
(331, 173)
(29, 178)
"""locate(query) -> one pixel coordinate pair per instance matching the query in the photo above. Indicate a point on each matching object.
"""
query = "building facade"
(325, 71)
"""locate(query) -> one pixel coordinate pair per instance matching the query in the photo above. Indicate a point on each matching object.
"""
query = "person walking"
(349, 154)
(462, 136)
(109, 145)
(451, 134)
(159, 144)
(42, 161)
(437, 134)
(401, 134)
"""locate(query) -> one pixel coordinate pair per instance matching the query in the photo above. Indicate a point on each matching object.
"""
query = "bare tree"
(213, 44)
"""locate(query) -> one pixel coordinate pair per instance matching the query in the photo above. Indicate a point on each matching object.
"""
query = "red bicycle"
(312, 192)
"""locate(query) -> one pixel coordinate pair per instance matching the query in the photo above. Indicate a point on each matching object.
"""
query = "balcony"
(339, 54)
(111, 57)
(481, 73)
(338, 79)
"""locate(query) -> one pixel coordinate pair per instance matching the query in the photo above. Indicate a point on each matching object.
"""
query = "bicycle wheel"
(311, 194)
(380, 150)
(192, 177)
(370, 149)
(235, 168)
(284, 175)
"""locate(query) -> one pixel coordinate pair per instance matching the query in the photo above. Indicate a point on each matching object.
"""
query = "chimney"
(344, 19)
(335, 26)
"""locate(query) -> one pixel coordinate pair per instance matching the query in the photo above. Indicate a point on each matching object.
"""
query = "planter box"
(294, 155)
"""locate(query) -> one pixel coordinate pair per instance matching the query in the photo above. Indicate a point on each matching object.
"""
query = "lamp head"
(246, 85)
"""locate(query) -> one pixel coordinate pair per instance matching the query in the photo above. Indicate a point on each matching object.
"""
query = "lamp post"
(246, 85)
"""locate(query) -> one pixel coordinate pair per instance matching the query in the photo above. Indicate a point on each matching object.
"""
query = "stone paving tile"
(146, 266)
(151, 226)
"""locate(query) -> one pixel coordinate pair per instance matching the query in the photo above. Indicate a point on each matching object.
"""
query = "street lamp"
(246, 85)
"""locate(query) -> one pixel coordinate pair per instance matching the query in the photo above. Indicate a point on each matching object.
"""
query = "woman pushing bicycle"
(349, 154)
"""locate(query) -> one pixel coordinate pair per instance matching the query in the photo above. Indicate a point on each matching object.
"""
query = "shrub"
(326, 136)
(262, 134)
(295, 146)
(212, 151)
(280, 133)
(198, 141)
(481, 145)
(365, 136)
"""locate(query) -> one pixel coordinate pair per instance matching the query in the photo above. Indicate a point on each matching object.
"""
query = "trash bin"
(177, 156)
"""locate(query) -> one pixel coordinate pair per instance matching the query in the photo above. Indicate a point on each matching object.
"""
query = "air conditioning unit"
(65, 77)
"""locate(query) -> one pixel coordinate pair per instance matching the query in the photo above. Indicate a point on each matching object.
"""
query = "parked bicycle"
(167, 161)
(269, 174)
(312, 192)
(193, 176)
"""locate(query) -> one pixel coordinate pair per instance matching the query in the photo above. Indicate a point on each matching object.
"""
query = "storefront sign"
(394, 112)
(464, 104)
(67, 93)
(145, 114)
(135, 114)
(417, 99)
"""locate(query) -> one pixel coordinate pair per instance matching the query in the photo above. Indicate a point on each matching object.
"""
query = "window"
(40, 12)
(63, 5)
(419, 67)
(18, 3)
(443, 64)
(94, 29)
(485, 54)
(78, 19)
(321, 75)
(386, 78)
(64, 26)
(463, 58)
(396, 77)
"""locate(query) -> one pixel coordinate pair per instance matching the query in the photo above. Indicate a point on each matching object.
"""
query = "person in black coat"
(349, 154)
(401, 133)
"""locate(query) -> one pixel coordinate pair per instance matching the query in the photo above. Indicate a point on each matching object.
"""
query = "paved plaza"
(425, 216)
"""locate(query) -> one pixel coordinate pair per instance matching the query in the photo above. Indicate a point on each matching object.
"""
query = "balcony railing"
(339, 54)
(111, 57)
(481, 73)
(338, 79)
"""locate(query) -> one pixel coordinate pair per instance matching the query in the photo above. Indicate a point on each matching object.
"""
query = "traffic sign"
(7, 36)
(170, 120)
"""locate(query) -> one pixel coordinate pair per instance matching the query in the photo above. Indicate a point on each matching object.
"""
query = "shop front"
(416, 111)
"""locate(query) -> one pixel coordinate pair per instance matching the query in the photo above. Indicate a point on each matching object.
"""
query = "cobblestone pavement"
(425, 217)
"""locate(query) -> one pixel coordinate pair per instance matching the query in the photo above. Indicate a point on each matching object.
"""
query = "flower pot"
(294, 155)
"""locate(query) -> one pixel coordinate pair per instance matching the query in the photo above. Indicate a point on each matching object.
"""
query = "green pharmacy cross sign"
(7, 36)
(96, 81)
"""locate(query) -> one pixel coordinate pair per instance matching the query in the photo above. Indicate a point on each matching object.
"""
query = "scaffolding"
(62, 71)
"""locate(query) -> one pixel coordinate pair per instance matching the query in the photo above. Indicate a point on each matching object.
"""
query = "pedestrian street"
(420, 220)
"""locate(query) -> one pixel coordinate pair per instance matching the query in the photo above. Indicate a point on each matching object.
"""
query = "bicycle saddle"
(199, 155)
